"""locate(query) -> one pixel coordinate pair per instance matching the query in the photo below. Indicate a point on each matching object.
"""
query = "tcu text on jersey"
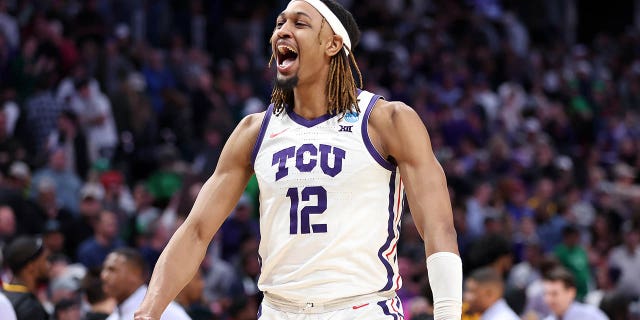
(312, 159)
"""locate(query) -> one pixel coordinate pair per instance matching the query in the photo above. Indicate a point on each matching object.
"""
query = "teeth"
(283, 48)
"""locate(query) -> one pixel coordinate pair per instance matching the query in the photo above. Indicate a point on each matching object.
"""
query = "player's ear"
(334, 45)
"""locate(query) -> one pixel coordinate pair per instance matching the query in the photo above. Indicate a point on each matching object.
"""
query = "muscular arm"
(181, 258)
(398, 132)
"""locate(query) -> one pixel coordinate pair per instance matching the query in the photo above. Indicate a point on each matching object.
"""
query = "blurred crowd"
(114, 112)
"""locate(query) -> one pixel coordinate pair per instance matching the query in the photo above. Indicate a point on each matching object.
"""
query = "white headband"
(333, 21)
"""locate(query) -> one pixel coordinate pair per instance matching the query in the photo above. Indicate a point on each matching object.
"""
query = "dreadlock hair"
(341, 85)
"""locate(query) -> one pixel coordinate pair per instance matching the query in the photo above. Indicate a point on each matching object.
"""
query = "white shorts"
(384, 309)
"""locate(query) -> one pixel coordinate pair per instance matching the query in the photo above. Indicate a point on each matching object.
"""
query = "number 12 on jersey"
(318, 208)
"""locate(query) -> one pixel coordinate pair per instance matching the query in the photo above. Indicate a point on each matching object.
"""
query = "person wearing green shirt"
(574, 257)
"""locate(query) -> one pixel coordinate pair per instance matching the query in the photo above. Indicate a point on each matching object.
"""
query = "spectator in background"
(42, 108)
(13, 192)
(7, 226)
(67, 49)
(478, 208)
(11, 149)
(9, 26)
(82, 227)
(421, 308)
(19, 177)
(67, 309)
(535, 307)
(100, 305)
(574, 257)
(66, 183)
(89, 25)
(27, 260)
(64, 291)
(560, 294)
(158, 79)
(94, 112)
(221, 280)
(46, 198)
(205, 161)
(237, 228)
(117, 196)
(493, 251)
(626, 258)
(69, 136)
(138, 127)
(153, 241)
(144, 214)
(93, 251)
(124, 275)
(484, 290)
(167, 179)
(53, 238)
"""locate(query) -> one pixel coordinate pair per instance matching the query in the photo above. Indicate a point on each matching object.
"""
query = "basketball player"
(332, 163)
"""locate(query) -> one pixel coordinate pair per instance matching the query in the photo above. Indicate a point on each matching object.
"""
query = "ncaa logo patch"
(351, 117)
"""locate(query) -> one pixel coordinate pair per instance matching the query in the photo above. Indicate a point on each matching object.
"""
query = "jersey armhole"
(263, 129)
(367, 141)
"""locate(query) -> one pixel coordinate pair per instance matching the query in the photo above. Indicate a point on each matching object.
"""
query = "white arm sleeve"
(445, 277)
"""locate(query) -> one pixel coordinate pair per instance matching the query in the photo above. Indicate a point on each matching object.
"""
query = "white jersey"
(330, 207)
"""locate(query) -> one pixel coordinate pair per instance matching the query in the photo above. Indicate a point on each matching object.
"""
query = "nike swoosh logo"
(273, 135)
(360, 306)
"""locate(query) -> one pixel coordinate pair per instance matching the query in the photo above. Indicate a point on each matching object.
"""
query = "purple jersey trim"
(305, 122)
(390, 235)
(387, 312)
(365, 137)
(263, 131)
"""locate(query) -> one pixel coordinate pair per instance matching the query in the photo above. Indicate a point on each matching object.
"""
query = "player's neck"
(310, 101)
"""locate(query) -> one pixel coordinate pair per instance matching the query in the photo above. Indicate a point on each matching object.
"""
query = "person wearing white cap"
(333, 163)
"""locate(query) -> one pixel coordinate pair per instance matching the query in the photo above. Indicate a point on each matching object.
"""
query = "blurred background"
(114, 112)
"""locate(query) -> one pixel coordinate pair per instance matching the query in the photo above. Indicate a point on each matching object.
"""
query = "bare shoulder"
(392, 113)
(248, 128)
(240, 144)
(390, 123)
(251, 123)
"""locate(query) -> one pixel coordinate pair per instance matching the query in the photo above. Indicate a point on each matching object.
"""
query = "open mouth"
(286, 56)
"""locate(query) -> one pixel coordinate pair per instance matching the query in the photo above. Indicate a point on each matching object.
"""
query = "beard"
(286, 85)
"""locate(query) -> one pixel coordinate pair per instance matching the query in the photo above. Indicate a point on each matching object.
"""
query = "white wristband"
(445, 278)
